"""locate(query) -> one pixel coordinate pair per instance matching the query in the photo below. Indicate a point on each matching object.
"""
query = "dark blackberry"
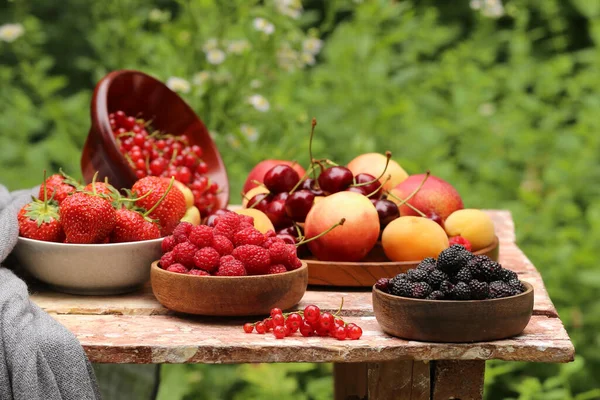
(489, 271)
(453, 258)
(447, 288)
(416, 275)
(428, 264)
(500, 289)
(396, 278)
(506, 275)
(401, 287)
(475, 262)
(382, 284)
(435, 295)
(479, 290)
(420, 290)
(461, 291)
(464, 275)
(517, 285)
(436, 277)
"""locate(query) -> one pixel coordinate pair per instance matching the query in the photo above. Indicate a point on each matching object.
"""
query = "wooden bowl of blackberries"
(457, 298)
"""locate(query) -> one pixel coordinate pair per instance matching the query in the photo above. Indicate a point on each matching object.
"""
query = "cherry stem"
(388, 156)
(312, 133)
(329, 162)
(405, 201)
(161, 198)
(380, 186)
(256, 202)
(340, 223)
(304, 177)
(257, 183)
(298, 231)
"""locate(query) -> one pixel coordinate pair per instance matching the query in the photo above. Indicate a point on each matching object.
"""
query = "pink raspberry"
(248, 236)
(460, 240)
(246, 219)
(270, 233)
(166, 260)
(229, 266)
(167, 244)
(184, 253)
(293, 262)
(207, 259)
(279, 253)
(277, 269)
(222, 245)
(255, 258)
(270, 240)
(182, 231)
(199, 272)
(201, 236)
(227, 224)
(244, 225)
(178, 268)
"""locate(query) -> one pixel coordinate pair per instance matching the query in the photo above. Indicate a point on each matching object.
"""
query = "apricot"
(474, 225)
(413, 239)
(192, 215)
(374, 164)
(261, 222)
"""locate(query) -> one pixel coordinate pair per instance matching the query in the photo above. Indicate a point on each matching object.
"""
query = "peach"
(374, 163)
(258, 172)
(354, 239)
(474, 225)
(261, 222)
(413, 239)
(251, 193)
(192, 215)
(436, 197)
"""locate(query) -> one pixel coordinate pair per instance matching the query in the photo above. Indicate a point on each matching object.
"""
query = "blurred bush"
(499, 99)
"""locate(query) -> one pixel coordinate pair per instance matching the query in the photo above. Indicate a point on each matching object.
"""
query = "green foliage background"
(504, 108)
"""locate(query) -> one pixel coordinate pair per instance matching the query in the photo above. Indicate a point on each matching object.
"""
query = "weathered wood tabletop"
(135, 328)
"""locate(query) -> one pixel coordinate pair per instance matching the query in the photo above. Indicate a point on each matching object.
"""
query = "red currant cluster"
(309, 322)
(153, 153)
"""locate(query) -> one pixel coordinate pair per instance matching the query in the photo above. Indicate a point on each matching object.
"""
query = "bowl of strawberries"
(94, 239)
(227, 268)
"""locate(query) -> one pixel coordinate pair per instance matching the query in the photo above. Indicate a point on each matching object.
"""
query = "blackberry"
(489, 271)
(464, 275)
(475, 262)
(479, 290)
(517, 285)
(461, 291)
(416, 275)
(453, 258)
(420, 290)
(506, 275)
(447, 288)
(382, 284)
(436, 277)
(428, 264)
(500, 289)
(401, 287)
(396, 278)
(435, 295)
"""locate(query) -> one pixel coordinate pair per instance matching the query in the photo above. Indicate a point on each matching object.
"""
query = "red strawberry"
(40, 220)
(58, 187)
(86, 218)
(104, 188)
(169, 211)
(132, 226)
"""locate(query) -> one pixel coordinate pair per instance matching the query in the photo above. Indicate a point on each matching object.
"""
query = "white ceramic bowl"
(90, 269)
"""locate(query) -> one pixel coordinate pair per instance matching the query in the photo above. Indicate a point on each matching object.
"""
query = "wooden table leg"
(350, 381)
(402, 380)
(457, 380)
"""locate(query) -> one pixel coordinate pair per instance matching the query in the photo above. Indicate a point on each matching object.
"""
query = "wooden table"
(135, 328)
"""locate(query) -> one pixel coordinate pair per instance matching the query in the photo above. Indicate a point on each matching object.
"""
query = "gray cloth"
(40, 359)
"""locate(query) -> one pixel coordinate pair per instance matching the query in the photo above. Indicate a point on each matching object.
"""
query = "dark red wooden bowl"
(139, 94)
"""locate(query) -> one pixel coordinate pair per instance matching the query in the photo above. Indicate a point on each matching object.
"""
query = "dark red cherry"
(276, 212)
(281, 178)
(210, 220)
(298, 204)
(288, 239)
(335, 179)
(290, 230)
(372, 186)
(387, 211)
(436, 218)
(260, 202)
(281, 196)
(358, 189)
(311, 184)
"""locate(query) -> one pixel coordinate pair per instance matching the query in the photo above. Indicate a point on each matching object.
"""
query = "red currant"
(278, 320)
(306, 330)
(268, 324)
(312, 313)
(248, 328)
(294, 321)
(326, 320)
(340, 333)
(275, 311)
(260, 328)
(288, 330)
(353, 331)
(279, 332)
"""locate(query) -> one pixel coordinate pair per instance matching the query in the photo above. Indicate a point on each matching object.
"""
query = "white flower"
(475, 4)
(178, 84)
(210, 44)
(307, 59)
(262, 25)
(250, 132)
(255, 83)
(215, 56)
(11, 32)
(157, 15)
(200, 78)
(488, 8)
(291, 8)
(312, 46)
(232, 141)
(238, 46)
(259, 102)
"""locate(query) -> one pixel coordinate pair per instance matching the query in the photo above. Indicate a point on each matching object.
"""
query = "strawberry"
(103, 188)
(58, 187)
(132, 226)
(40, 220)
(169, 211)
(87, 218)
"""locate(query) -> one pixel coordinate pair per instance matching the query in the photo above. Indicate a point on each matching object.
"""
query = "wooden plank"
(401, 380)
(174, 339)
(350, 381)
(458, 380)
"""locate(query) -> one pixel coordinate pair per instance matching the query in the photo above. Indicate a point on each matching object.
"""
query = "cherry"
(281, 178)
(288, 239)
(260, 202)
(369, 183)
(281, 196)
(289, 230)
(311, 184)
(275, 210)
(436, 218)
(298, 204)
(335, 179)
(358, 189)
(387, 211)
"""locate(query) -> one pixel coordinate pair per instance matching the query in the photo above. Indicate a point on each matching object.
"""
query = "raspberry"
(255, 258)
(382, 284)
(460, 240)
(270, 240)
(223, 245)
(293, 262)
(248, 236)
(182, 231)
(277, 269)
(227, 224)
(207, 259)
(270, 233)
(199, 272)
(245, 225)
(229, 266)
(184, 253)
(177, 268)
(201, 236)
(246, 219)
(167, 244)
(279, 253)
(166, 260)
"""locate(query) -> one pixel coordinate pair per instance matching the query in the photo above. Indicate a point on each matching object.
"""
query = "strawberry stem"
(94, 183)
(161, 198)
(340, 223)
(45, 193)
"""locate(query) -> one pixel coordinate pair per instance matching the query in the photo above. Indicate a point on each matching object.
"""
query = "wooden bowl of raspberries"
(227, 268)
(140, 127)
(458, 297)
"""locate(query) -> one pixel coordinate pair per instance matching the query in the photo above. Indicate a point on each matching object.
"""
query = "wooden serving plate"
(453, 321)
(366, 273)
(228, 296)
